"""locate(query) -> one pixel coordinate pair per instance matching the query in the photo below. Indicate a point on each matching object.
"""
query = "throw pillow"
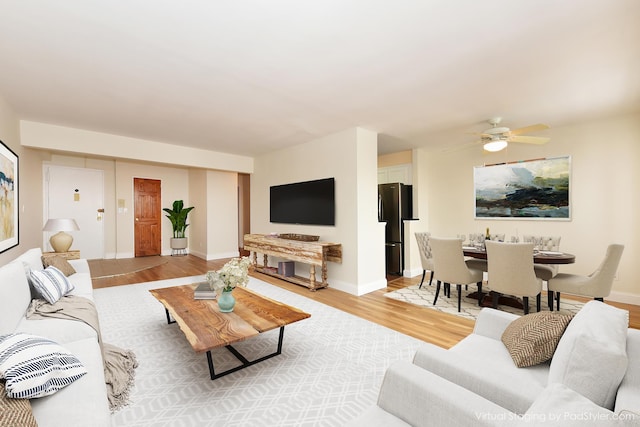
(591, 357)
(15, 412)
(35, 367)
(60, 263)
(532, 339)
(51, 283)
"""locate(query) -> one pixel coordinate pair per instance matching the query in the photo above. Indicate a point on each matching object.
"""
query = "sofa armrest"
(80, 265)
(628, 397)
(489, 382)
(492, 323)
(421, 398)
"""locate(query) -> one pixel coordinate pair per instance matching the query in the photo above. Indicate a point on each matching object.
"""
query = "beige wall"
(222, 215)
(349, 157)
(97, 144)
(214, 232)
(394, 159)
(29, 182)
(605, 196)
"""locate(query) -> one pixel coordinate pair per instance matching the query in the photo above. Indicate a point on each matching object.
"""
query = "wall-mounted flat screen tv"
(309, 202)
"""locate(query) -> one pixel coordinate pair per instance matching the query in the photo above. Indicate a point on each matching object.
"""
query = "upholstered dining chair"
(511, 272)
(450, 267)
(426, 257)
(596, 285)
(544, 243)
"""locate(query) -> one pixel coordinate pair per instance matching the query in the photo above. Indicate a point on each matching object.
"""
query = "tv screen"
(309, 202)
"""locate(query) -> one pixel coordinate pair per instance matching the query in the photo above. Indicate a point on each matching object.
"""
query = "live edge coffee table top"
(207, 328)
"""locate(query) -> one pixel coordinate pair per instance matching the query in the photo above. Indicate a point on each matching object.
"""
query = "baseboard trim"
(358, 290)
(624, 297)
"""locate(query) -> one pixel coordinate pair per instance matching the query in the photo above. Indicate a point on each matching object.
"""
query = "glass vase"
(226, 302)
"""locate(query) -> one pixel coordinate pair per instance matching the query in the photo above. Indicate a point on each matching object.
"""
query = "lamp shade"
(61, 224)
(61, 241)
(495, 145)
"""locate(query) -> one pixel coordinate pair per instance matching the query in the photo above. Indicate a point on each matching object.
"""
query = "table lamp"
(61, 241)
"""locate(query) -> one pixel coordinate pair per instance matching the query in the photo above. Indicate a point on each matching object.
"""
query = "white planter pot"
(179, 243)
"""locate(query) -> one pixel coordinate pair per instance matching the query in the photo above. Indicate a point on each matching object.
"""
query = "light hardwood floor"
(425, 324)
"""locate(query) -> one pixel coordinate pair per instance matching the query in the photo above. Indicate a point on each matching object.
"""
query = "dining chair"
(426, 257)
(596, 285)
(511, 272)
(545, 272)
(450, 267)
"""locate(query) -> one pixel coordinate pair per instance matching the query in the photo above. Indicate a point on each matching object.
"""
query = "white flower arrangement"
(233, 273)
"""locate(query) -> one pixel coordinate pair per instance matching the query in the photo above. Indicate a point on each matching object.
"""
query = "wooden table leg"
(312, 277)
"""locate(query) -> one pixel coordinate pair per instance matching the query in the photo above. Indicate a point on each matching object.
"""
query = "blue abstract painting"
(530, 189)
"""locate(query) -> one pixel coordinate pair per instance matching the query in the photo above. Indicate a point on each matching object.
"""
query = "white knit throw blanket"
(119, 364)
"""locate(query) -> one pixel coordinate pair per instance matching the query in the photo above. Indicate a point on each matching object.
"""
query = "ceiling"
(251, 76)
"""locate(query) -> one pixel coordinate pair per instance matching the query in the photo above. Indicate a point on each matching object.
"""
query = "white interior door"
(76, 193)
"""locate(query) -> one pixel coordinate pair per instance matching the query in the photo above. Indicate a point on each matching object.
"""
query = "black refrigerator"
(395, 204)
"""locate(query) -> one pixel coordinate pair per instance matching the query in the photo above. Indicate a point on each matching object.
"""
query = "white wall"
(350, 157)
(605, 195)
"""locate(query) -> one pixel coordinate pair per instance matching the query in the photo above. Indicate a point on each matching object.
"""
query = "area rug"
(469, 308)
(330, 369)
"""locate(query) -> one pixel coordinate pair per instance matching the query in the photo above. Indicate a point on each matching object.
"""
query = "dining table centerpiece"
(234, 273)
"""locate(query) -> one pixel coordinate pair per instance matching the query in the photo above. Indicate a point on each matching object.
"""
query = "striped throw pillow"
(35, 367)
(51, 283)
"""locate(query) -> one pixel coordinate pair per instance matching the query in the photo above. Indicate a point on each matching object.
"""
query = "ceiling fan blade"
(529, 139)
(529, 129)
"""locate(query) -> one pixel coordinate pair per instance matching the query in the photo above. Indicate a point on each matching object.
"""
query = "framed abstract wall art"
(8, 198)
(528, 189)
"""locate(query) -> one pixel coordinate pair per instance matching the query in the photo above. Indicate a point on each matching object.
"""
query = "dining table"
(539, 257)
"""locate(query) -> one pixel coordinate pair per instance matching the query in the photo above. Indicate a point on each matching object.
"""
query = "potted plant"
(178, 217)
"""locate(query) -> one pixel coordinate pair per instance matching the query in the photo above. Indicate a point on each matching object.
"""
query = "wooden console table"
(313, 253)
(65, 255)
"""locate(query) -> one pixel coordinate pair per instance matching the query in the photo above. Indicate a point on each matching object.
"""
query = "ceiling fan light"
(494, 146)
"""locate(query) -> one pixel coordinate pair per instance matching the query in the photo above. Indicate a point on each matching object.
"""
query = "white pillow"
(35, 367)
(51, 283)
(560, 406)
(591, 357)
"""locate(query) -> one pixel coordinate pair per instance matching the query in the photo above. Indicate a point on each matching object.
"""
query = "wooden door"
(147, 228)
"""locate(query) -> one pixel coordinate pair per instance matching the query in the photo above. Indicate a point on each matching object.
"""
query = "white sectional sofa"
(83, 402)
(592, 379)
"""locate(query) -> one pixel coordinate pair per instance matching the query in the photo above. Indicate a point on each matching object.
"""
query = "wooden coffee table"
(207, 328)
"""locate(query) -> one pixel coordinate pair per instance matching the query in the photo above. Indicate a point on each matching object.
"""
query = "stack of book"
(204, 291)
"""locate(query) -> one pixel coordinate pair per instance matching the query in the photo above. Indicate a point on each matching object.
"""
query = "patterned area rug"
(329, 372)
(469, 308)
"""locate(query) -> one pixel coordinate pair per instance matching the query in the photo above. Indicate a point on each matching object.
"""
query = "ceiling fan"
(497, 137)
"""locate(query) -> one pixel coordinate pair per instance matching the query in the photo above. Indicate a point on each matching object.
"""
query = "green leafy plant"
(178, 217)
